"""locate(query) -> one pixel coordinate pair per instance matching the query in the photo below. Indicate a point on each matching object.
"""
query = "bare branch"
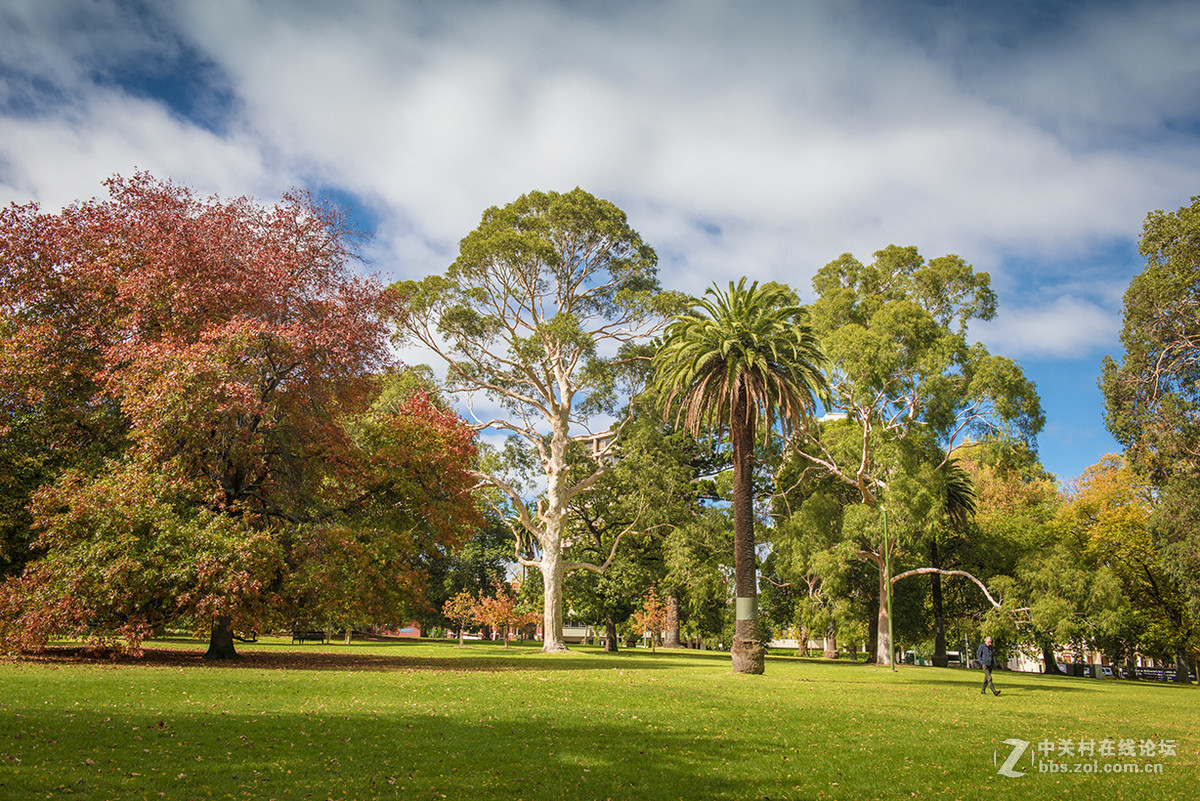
(922, 570)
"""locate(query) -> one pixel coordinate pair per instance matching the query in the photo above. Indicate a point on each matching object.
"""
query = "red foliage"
(224, 355)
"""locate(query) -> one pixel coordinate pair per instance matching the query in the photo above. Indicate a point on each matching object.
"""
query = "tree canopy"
(216, 363)
(543, 312)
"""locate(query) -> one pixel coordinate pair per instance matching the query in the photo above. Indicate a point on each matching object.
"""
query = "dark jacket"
(984, 655)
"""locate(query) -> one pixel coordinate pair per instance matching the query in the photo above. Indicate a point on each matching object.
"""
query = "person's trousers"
(987, 679)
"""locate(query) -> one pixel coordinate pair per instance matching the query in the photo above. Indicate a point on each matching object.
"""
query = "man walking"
(984, 655)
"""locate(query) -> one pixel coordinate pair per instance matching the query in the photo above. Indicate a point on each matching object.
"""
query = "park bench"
(299, 636)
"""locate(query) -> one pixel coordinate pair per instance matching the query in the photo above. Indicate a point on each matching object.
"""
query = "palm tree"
(734, 359)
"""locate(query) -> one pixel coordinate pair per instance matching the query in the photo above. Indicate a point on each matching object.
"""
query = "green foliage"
(895, 332)
(1152, 396)
(746, 353)
(544, 311)
(740, 357)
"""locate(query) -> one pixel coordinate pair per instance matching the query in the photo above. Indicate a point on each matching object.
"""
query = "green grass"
(431, 721)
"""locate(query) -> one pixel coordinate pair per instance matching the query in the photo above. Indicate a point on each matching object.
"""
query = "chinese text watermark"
(1085, 755)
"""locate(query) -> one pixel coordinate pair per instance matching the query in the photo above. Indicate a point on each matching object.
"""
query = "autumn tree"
(460, 608)
(651, 617)
(542, 313)
(908, 388)
(1010, 539)
(1109, 513)
(218, 360)
(503, 610)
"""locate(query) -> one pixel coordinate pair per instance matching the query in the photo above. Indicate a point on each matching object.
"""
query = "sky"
(741, 138)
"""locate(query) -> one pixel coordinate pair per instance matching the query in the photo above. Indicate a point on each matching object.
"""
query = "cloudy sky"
(742, 138)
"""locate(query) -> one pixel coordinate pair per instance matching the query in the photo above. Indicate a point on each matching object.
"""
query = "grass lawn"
(426, 720)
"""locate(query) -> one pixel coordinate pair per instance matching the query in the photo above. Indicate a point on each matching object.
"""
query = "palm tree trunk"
(748, 652)
(939, 621)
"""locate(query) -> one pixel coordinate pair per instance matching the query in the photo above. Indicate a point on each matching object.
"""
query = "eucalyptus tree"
(542, 313)
(1152, 395)
(906, 383)
(737, 359)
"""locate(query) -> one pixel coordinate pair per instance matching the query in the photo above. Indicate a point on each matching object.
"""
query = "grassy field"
(432, 721)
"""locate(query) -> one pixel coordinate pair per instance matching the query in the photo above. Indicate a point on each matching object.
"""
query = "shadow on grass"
(286, 657)
(425, 755)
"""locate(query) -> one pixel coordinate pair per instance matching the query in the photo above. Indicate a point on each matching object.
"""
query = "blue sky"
(756, 138)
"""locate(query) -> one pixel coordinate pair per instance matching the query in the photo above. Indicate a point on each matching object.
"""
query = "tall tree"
(906, 382)
(738, 359)
(1152, 396)
(542, 312)
(218, 358)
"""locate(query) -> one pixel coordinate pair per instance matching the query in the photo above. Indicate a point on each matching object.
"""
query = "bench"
(310, 635)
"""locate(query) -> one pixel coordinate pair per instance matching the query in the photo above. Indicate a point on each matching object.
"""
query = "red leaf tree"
(215, 361)
(504, 611)
(652, 617)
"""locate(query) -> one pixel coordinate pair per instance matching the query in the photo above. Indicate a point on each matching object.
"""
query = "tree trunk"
(1181, 670)
(552, 582)
(554, 521)
(883, 648)
(1130, 665)
(610, 634)
(873, 634)
(748, 652)
(220, 643)
(1050, 660)
(831, 641)
(672, 634)
(939, 622)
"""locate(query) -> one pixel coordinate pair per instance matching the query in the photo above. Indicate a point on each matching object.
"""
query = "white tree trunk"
(554, 523)
(552, 582)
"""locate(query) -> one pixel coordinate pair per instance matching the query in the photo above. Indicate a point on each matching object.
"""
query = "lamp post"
(887, 578)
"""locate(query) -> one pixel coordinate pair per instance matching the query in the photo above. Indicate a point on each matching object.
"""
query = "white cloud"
(64, 155)
(762, 140)
(1066, 328)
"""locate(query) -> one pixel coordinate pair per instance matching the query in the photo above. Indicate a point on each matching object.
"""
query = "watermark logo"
(1018, 750)
(1084, 755)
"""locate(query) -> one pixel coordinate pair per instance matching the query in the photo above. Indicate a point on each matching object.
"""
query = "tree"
(700, 570)
(1011, 537)
(1152, 396)
(908, 386)
(460, 608)
(219, 360)
(651, 617)
(542, 312)
(649, 490)
(745, 356)
(1109, 512)
(504, 611)
(473, 566)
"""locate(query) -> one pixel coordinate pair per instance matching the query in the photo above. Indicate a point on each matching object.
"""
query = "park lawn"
(420, 720)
